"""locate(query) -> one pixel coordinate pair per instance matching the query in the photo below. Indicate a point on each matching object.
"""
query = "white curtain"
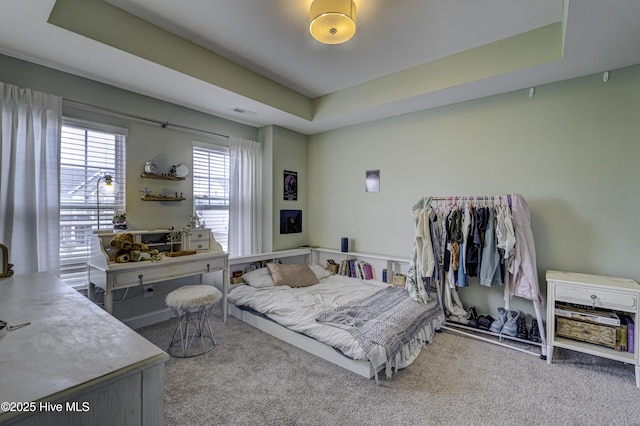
(245, 193)
(30, 124)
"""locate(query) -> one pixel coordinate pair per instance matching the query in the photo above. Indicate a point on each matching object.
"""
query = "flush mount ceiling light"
(332, 21)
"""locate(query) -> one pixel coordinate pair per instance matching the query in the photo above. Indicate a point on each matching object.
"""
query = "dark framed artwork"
(290, 221)
(372, 181)
(290, 185)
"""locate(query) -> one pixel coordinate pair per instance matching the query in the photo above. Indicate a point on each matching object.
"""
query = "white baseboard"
(149, 318)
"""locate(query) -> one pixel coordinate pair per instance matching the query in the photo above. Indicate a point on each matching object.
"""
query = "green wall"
(283, 150)
(572, 150)
(289, 153)
(145, 141)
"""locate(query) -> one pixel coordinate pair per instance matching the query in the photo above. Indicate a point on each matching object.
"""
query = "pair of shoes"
(458, 319)
(510, 327)
(485, 321)
(473, 314)
(496, 326)
(473, 317)
(534, 336)
(522, 332)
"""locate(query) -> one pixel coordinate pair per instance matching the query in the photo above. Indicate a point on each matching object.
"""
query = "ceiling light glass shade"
(332, 21)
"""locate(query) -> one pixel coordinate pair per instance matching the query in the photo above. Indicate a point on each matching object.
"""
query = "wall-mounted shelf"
(162, 177)
(161, 198)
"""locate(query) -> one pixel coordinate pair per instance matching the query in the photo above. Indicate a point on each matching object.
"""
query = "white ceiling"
(271, 38)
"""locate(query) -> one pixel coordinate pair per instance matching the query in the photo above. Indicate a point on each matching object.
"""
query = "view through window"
(211, 189)
(88, 152)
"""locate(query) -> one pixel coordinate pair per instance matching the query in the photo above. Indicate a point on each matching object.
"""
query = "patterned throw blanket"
(389, 318)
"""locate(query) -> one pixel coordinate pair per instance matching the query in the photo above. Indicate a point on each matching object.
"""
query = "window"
(87, 153)
(211, 189)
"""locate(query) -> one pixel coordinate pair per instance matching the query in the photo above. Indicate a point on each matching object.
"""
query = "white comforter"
(297, 308)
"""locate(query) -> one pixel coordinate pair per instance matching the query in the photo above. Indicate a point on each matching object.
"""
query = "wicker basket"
(332, 268)
(603, 335)
(399, 279)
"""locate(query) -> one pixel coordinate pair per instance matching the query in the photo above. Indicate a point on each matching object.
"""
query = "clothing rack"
(477, 333)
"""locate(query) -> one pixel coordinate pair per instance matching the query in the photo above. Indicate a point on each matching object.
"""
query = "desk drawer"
(199, 240)
(152, 275)
(199, 235)
(583, 295)
(198, 245)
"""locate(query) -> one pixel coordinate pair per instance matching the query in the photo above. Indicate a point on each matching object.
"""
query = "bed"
(312, 309)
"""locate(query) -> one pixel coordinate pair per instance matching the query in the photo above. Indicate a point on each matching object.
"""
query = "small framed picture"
(290, 185)
(290, 221)
(372, 181)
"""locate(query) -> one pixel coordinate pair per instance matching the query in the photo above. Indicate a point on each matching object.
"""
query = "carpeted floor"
(251, 378)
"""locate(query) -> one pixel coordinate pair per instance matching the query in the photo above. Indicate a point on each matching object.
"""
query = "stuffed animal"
(125, 245)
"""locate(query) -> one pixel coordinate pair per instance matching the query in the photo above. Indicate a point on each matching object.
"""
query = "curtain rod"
(469, 197)
(163, 124)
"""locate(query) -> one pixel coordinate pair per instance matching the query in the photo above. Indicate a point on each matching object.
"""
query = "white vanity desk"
(73, 352)
(112, 276)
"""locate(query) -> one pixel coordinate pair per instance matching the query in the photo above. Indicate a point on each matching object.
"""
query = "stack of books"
(356, 269)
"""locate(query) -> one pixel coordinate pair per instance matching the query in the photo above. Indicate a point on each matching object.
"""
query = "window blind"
(87, 153)
(211, 189)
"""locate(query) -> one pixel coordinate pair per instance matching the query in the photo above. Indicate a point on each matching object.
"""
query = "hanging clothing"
(453, 304)
(473, 246)
(451, 257)
(414, 283)
(505, 234)
(523, 278)
(436, 243)
(462, 270)
(490, 267)
(481, 227)
(425, 260)
(476, 241)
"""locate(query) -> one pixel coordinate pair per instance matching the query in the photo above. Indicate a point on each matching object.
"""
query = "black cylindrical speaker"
(344, 244)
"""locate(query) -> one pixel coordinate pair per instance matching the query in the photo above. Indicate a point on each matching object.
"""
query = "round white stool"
(192, 305)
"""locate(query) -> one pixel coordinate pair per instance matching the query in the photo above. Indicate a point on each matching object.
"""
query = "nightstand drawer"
(596, 297)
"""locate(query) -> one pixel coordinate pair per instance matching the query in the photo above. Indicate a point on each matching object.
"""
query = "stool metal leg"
(191, 323)
(215, 342)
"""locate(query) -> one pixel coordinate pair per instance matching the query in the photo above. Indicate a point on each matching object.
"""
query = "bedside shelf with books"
(594, 314)
(377, 267)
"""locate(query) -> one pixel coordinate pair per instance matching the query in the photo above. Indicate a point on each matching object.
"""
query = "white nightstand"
(617, 294)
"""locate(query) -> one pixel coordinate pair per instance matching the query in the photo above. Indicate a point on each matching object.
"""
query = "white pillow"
(258, 278)
(320, 271)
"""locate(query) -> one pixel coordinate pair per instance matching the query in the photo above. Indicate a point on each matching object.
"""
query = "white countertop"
(70, 344)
